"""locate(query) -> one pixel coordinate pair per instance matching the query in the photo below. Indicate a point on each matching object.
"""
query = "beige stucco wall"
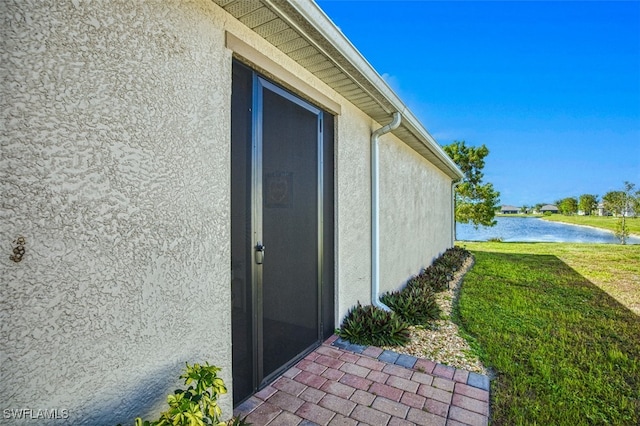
(115, 169)
(353, 210)
(415, 213)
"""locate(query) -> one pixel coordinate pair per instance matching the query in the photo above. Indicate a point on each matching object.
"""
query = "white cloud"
(392, 81)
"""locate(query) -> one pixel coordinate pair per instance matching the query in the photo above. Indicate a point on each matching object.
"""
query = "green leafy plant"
(448, 263)
(370, 325)
(414, 304)
(456, 256)
(621, 231)
(198, 404)
(436, 277)
(453, 258)
(475, 200)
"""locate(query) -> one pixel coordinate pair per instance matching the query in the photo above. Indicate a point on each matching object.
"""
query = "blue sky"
(551, 88)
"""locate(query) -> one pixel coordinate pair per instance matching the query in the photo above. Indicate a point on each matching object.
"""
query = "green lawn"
(559, 324)
(604, 222)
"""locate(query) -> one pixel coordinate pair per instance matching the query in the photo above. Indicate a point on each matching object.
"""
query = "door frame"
(257, 226)
(325, 232)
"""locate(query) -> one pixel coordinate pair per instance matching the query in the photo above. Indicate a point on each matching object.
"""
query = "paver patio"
(344, 384)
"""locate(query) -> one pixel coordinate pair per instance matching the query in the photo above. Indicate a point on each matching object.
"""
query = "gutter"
(375, 210)
(311, 22)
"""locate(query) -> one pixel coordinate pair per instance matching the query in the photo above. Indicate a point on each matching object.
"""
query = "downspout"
(454, 185)
(375, 210)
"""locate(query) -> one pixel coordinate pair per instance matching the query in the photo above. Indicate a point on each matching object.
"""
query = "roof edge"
(315, 16)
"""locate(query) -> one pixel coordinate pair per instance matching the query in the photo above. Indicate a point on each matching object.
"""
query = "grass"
(558, 326)
(604, 222)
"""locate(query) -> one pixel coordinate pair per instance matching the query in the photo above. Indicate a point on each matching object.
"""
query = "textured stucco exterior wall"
(353, 207)
(415, 213)
(115, 169)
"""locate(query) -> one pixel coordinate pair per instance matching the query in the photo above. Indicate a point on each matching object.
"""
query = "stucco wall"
(115, 170)
(353, 207)
(415, 213)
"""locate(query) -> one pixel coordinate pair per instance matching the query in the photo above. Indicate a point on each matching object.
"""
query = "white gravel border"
(442, 342)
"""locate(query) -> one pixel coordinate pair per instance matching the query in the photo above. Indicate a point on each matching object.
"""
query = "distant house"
(602, 211)
(549, 208)
(509, 210)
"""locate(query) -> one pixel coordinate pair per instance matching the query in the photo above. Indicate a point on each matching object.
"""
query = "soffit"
(333, 60)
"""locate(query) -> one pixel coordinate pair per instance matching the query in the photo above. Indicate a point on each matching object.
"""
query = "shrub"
(438, 275)
(198, 405)
(418, 281)
(414, 304)
(369, 325)
(456, 256)
(435, 277)
(446, 263)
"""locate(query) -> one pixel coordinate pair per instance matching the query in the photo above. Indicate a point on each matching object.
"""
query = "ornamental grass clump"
(414, 304)
(370, 325)
(456, 256)
(438, 275)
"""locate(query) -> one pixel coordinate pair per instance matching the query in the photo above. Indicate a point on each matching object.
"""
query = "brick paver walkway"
(344, 384)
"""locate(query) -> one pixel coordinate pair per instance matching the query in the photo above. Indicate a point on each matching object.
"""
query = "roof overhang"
(302, 31)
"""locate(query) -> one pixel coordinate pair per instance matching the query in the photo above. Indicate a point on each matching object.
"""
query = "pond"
(530, 229)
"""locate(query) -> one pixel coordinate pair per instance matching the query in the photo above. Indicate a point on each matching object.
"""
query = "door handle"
(259, 254)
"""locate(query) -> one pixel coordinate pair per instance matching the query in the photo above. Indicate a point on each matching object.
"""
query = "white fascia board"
(323, 24)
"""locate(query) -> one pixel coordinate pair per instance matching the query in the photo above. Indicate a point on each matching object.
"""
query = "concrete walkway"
(344, 384)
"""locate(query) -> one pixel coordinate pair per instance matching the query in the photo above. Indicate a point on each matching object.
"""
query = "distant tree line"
(476, 201)
(624, 202)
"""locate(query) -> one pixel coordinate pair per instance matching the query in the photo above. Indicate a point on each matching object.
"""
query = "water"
(528, 229)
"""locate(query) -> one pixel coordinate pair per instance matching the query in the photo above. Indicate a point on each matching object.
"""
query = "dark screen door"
(288, 277)
(278, 230)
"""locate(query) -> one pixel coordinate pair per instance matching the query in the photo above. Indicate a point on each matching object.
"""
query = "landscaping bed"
(441, 341)
(421, 319)
(557, 326)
